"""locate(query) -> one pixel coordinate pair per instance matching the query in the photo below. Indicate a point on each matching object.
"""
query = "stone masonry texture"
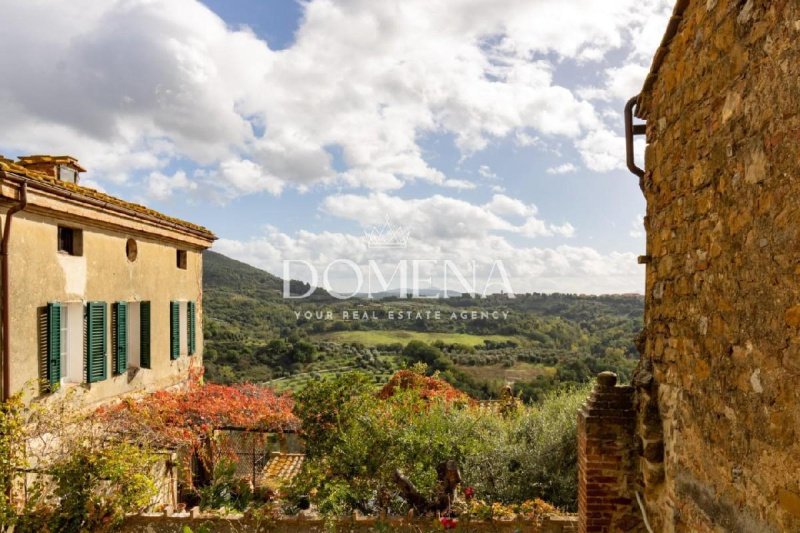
(718, 401)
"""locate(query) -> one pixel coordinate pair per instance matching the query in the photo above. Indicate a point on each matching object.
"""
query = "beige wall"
(40, 274)
(722, 322)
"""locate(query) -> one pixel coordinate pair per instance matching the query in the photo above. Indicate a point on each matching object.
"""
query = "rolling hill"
(253, 334)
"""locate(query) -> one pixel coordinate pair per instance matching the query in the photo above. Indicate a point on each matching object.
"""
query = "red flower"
(448, 523)
(469, 492)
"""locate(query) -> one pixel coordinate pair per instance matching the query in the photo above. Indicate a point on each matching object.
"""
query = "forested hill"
(252, 333)
(221, 273)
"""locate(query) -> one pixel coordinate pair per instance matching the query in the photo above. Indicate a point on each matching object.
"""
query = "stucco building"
(97, 292)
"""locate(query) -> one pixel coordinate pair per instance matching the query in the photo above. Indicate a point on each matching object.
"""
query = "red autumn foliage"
(185, 417)
(428, 387)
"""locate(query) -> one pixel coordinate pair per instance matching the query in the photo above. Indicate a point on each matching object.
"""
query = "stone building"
(715, 429)
(97, 292)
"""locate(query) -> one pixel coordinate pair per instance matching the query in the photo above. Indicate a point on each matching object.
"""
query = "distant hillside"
(253, 334)
(221, 273)
(395, 293)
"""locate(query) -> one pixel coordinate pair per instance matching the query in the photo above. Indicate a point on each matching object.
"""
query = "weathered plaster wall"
(722, 311)
(39, 274)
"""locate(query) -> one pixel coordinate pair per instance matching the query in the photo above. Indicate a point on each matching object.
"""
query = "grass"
(518, 373)
(375, 337)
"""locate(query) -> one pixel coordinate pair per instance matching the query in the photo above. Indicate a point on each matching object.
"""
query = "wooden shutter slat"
(121, 346)
(174, 330)
(96, 369)
(191, 326)
(54, 343)
(144, 334)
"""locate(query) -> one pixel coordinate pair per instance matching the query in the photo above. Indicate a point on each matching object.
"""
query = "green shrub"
(534, 455)
(227, 489)
(93, 490)
(356, 441)
(12, 458)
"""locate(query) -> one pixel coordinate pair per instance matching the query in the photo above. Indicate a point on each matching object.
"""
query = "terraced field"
(519, 372)
(388, 365)
(375, 337)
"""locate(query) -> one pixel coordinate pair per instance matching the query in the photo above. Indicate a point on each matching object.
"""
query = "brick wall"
(606, 459)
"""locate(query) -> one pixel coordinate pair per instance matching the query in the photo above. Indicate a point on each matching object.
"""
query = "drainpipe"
(23, 203)
(632, 129)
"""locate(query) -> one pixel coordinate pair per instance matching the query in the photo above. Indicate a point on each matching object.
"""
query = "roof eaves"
(94, 196)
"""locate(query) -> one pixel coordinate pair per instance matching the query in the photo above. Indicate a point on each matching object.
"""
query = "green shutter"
(54, 343)
(121, 346)
(95, 342)
(190, 309)
(144, 334)
(174, 330)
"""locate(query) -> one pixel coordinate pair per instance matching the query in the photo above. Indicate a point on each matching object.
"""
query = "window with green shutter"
(54, 343)
(174, 330)
(121, 338)
(191, 322)
(96, 342)
(144, 334)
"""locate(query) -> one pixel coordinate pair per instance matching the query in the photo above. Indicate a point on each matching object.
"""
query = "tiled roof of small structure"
(54, 159)
(663, 49)
(9, 166)
(283, 466)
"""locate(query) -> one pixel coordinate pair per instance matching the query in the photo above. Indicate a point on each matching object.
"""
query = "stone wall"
(606, 460)
(718, 383)
(235, 524)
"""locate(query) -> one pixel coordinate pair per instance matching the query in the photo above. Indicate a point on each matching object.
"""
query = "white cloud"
(563, 268)
(486, 172)
(565, 230)
(441, 218)
(244, 176)
(637, 227)
(502, 204)
(458, 184)
(136, 84)
(564, 168)
(161, 186)
(602, 150)
(621, 83)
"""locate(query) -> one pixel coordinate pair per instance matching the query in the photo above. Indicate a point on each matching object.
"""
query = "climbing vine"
(187, 418)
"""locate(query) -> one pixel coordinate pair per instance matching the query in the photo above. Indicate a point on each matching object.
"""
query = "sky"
(482, 132)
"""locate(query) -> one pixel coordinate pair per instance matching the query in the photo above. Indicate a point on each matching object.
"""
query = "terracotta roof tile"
(283, 466)
(7, 165)
(54, 159)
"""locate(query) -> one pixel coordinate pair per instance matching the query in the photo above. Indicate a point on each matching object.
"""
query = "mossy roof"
(9, 166)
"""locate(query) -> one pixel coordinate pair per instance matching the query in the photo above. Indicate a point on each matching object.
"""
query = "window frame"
(182, 259)
(71, 245)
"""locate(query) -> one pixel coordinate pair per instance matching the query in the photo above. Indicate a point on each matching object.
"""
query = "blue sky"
(490, 130)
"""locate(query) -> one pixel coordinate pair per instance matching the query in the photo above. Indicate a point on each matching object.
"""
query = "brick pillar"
(606, 454)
